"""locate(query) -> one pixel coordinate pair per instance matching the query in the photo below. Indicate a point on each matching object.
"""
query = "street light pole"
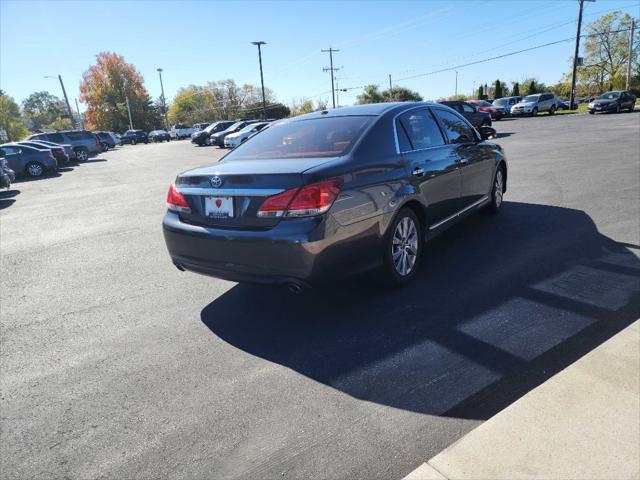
(264, 101)
(456, 94)
(126, 101)
(164, 102)
(79, 116)
(66, 99)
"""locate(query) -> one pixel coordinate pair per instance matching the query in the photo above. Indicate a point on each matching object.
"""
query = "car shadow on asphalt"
(503, 134)
(501, 304)
(46, 176)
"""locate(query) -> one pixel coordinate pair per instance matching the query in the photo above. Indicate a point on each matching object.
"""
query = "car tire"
(497, 192)
(34, 169)
(618, 108)
(133, 141)
(534, 112)
(82, 154)
(591, 113)
(402, 248)
(552, 110)
(632, 107)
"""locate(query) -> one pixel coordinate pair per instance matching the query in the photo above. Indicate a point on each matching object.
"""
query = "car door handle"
(418, 172)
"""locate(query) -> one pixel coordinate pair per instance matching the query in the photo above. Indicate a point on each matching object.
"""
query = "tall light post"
(264, 102)
(66, 99)
(164, 102)
(456, 94)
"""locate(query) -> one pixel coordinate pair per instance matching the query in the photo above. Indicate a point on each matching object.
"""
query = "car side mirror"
(487, 133)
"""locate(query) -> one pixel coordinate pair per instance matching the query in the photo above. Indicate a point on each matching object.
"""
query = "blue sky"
(196, 42)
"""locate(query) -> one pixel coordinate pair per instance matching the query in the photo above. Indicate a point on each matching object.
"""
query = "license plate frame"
(218, 207)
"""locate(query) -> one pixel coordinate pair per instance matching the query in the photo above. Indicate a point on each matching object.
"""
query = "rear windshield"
(319, 137)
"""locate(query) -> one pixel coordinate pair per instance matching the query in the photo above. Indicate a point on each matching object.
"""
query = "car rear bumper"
(309, 251)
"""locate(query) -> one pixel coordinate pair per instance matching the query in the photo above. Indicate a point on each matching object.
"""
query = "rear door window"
(56, 138)
(457, 130)
(422, 129)
(468, 108)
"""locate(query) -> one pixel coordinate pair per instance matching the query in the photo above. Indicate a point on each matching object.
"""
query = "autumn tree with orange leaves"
(104, 88)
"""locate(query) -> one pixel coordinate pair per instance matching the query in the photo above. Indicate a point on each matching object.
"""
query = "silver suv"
(84, 143)
(534, 104)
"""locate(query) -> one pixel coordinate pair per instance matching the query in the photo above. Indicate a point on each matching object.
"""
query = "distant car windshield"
(531, 98)
(249, 127)
(318, 137)
(609, 96)
(233, 127)
(501, 101)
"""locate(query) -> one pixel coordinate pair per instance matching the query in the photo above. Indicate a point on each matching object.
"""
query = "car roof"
(369, 109)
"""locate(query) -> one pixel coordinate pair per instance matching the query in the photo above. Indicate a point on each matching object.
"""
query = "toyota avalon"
(334, 193)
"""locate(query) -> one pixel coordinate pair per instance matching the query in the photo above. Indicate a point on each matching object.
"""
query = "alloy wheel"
(35, 170)
(82, 155)
(404, 247)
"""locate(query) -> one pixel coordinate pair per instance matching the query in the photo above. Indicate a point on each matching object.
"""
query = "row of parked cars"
(482, 112)
(228, 133)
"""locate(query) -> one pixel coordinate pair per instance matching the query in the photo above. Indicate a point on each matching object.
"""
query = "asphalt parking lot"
(116, 365)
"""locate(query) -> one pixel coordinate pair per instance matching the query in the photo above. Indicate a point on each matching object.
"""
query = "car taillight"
(309, 200)
(176, 201)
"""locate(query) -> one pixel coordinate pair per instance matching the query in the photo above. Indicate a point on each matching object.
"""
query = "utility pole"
(331, 69)
(390, 85)
(572, 104)
(631, 33)
(264, 102)
(456, 94)
(79, 116)
(126, 101)
(66, 99)
(164, 102)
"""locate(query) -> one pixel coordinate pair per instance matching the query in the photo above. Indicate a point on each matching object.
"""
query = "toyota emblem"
(216, 182)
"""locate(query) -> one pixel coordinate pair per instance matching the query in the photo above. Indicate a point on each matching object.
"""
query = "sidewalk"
(583, 423)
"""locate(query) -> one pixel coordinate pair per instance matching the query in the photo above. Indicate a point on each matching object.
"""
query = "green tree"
(10, 119)
(516, 89)
(300, 107)
(41, 109)
(400, 94)
(497, 90)
(370, 94)
(255, 111)
(480, 92)
(606, 53)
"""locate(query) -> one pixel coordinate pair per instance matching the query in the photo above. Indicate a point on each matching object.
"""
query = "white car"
(534, 104)
(180, 131)
(234, 139)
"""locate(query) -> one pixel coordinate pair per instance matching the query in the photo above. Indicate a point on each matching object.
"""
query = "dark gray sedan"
(334, 193)
(29, 161)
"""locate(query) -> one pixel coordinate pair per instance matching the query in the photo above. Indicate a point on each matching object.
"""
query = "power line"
(497, 57)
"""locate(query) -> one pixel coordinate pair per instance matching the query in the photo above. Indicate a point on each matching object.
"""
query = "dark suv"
(471, 113)
(134, 136)
(85, 144)
(203, 137)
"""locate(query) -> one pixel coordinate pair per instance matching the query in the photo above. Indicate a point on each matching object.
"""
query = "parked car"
(470, 112)
(199, 127)
(613, 102)
(58, 152)
(507, 103)
(234, 139)
(533, 104)
(334, 193)
(68, 149)
(85, 144)
(108, 139)
(496, 111)
(218, 138)
(180, 131)
(562, 104)
(7, 176)
(159, 136)
(203, 137)
(134, 136)
(29, 161)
